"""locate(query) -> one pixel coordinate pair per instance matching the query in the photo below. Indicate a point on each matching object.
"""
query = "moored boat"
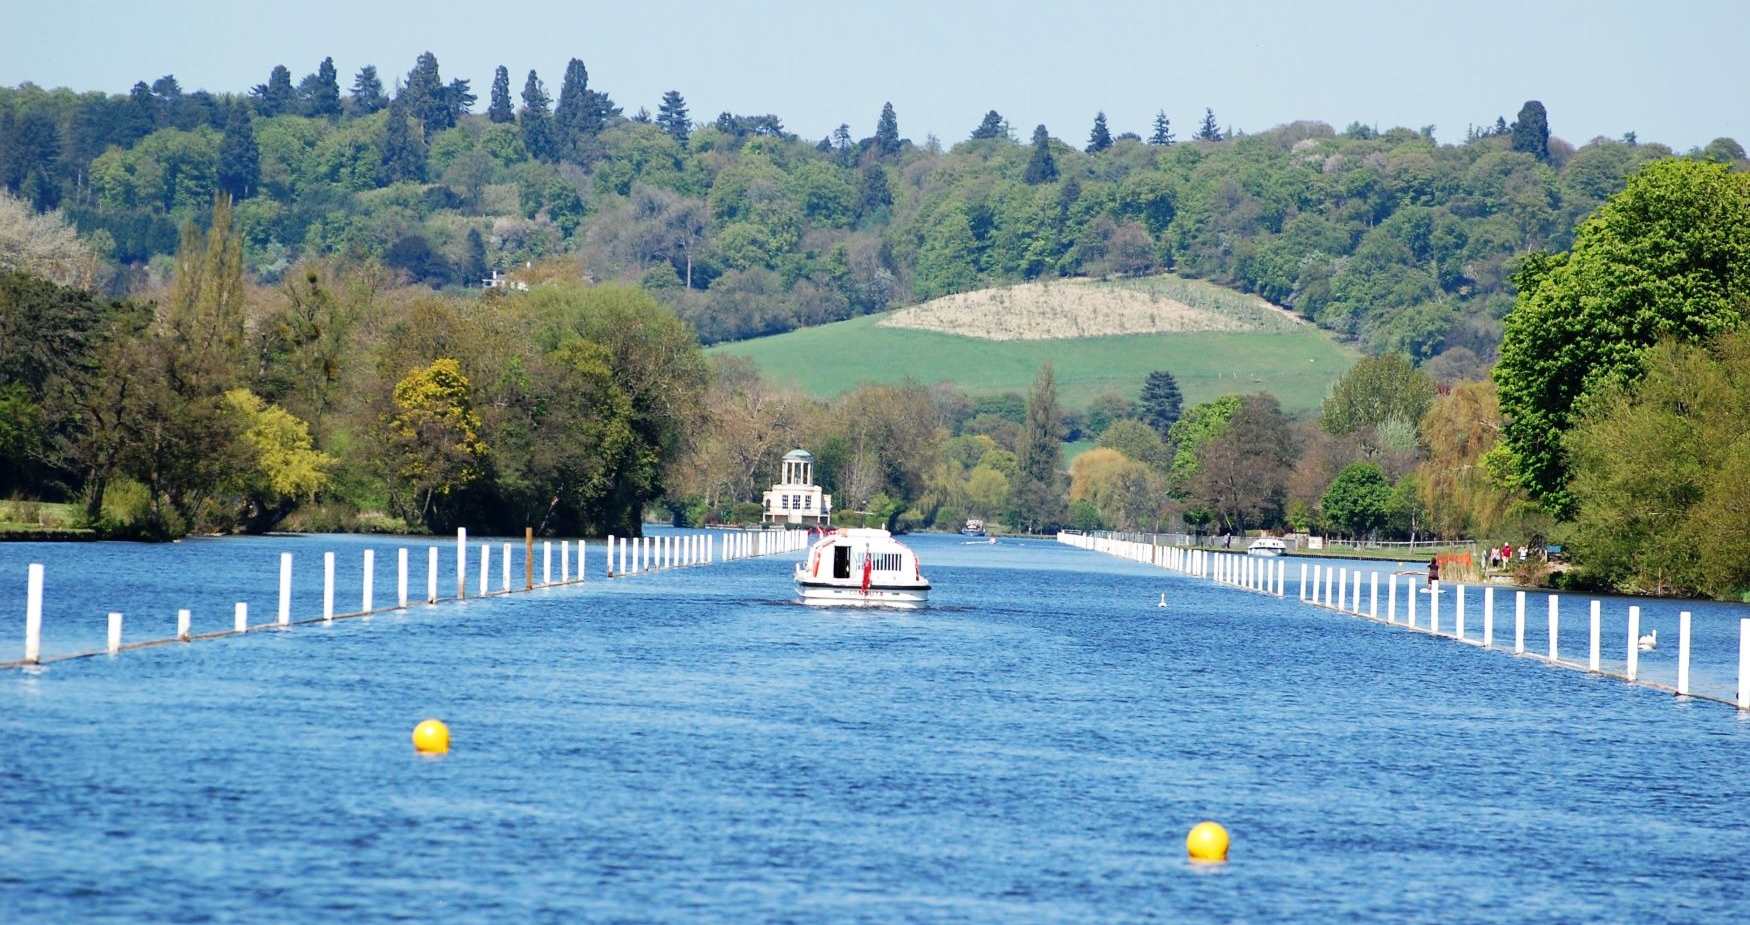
(1266, 546)
(861, 568)
(973, 528)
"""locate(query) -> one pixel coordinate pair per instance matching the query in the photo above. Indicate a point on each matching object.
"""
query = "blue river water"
(693, 745)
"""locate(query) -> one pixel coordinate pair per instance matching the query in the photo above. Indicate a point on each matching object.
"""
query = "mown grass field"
(1297, 366)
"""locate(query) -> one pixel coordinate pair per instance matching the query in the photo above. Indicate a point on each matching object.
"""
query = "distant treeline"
(745, 229)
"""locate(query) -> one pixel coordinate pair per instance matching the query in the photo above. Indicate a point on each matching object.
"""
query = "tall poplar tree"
(536, 121)
(887, 132)
(1100, 138)
(1041, 167)
(501, 110)
(1037, 495)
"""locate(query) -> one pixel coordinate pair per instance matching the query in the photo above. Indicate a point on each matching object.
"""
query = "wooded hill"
(1389, 237)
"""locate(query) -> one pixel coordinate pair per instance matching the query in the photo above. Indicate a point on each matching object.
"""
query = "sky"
(1673, 71)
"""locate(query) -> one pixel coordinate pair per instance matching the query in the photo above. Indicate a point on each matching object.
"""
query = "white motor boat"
(861, 568)
(1266, 546)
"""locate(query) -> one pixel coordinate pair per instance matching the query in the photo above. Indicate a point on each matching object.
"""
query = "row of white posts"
(1340, 588)
(638, 555)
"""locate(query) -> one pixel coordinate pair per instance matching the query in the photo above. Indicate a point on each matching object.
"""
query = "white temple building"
(796, 499)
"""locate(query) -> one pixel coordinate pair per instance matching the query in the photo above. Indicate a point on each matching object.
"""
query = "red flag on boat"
(868, 567)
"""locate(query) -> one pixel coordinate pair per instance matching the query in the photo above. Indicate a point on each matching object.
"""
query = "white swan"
(1163, 602)
(1648, 641)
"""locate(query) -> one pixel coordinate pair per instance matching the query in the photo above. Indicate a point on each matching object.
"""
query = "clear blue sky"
(1674, 71)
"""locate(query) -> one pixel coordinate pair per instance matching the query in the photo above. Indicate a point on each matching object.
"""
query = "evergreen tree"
(460, 99)
(277, 96)
(569, 115)
(841, 143)
(1041, 167)
(990, 127)
(887, 132)
(672, 116)
(324, 99)
(403, 150)
(475, 269)
(501, 110)
(537, 122)
(1163, 133)
(1037, 495)
(425, 98)
(1099, 139)
(367, 91)
(1210, 130)
(1531, 130)
(239, 157)
(1160, 403)
(1500, 126)
(874, 194)
(642, 116)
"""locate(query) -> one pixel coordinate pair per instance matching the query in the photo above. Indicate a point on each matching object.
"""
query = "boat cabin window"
(887, 562)
(841, 562)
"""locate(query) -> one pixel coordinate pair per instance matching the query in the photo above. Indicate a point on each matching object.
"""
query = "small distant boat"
(973, 528)
(1266, 546)
(861, 568)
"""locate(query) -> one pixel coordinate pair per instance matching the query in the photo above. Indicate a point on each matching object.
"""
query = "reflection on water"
(695, 744)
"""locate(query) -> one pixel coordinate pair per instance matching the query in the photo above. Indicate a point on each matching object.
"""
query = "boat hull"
(821, 595)
(1265, 553)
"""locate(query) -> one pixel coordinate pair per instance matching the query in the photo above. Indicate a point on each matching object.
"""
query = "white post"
(485, 568)
(240, 617)
(1744, 663)
(328, 586)
(115, 632)
(1330, 576)
(1373, 594)
(610, 558)
(401, 578)
(285, 614)
(368, 585)
(1554, 626)
(1391, 598)
(1488, 616)
(431, 569)
(1458, 610)
(1434, 607)
(183, 619)
(461, 562)
(1518, 622)
(1342, 589)
(565, 562)
(505, 567)
(33, 613)
(1596, 625)
(546, 562)
(1682, 652)
(583, 545)
(1633, 657)
(1355, 598)
(1414, 593)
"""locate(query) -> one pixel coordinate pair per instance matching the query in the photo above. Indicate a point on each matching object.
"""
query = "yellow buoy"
(431, 737)
(1207, 841)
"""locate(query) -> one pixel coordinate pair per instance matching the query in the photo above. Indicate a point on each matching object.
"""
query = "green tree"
(239, 157)
(1209, 129)
(1357, 501)
(277, 96)
(500, 110)
(403, 150)
(1160, 402)
(367, 91)
(434, 443)
(1041, 166)
(536, 121)
(1037, 494)
(1163, 130)
(887, 132)
(1139, 442)
(1242, 472)
(1194, 429)
(1531, 130)
(424, 98)
(946, 260)
(1668, 257)
(671, 116)
(324, 98)
(1099, 138)
(991, 126)
(282, 466)
(1374, 391)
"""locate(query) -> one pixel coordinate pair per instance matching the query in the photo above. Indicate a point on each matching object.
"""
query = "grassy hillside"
(1296, 366)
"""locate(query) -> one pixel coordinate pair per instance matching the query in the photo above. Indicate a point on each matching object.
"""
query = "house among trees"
(795, 499)
(500, 281)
